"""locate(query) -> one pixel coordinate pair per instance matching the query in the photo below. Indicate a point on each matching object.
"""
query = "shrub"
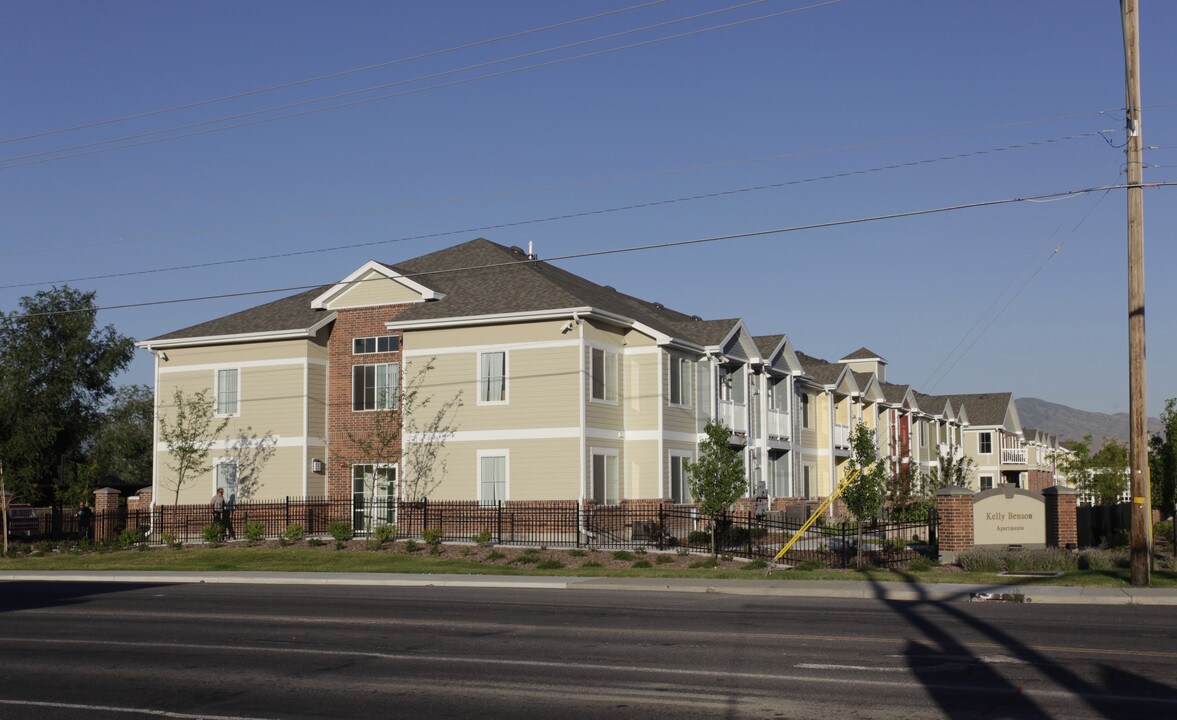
(374, 544)
(704, 563)
(482, 539)
(1041, 560)
(591, 564)
(639, 551)
(981, 559)
(342, 532)
(663, 559)
(412, 546)
(432, 538)
(384, 533)
(549, 564)
(42, 547)
(1163, 529)
(214, 534)
(810, 565)
(682, 551)
(1117, 539)
(642, 564)
(293, 533)
(255, 532)
(577, 553)
(494, 555)
(920, 563)
(129, 538)
(756, 564)
(314, 542)
(172, 541)
(526, 559)
(699, 537)
(622, 555)
(1104, 559)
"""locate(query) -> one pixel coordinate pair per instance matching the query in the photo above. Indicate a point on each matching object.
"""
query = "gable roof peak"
(863, 353)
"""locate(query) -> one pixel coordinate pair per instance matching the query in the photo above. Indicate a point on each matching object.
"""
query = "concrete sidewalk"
(894, 591)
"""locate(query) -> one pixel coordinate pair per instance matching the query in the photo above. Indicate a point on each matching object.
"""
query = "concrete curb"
(886, 591)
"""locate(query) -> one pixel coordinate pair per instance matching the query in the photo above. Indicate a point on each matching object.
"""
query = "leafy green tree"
(950, 470)
(121, 446)
(56, 372)
(188, 431)
(250, 453)
(865, 495)
(716, 479)
(1108, 478)
(1073, 462)
(1162, 459)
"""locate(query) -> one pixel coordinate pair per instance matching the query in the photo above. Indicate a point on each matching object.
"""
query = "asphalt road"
(98, 651)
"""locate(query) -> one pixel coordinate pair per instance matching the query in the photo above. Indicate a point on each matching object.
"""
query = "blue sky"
(828, 90)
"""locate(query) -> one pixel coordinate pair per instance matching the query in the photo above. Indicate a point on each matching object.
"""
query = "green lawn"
(304, 559)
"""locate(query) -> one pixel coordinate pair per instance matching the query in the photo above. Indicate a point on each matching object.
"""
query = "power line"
(327, 76)
(402, 93)
(566, 216)
(554, 186)
(618, 251)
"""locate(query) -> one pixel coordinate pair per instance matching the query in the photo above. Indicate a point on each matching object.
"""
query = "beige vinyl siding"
(317, 401)
(542, 389)
(604, 413)
(676, 418)
(536, 469)
(421, 341)
(640, 398)
(270, 397)
(280, 477)
(641, 471)
(603, 334)
(371, 289)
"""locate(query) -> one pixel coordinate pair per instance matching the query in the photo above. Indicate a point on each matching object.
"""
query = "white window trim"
(396, 392)
(396, 479)
(217, 393)
(503, 453)
(979, 450)
(686, 455)
(686, 366)
(506, 376)
(608, 452)
(981, 482)
(606, 353)
(217, 462)
(375, 352)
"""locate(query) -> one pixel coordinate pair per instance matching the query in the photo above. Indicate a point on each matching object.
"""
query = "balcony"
(1013, 456)
(779, 425)
(734, 415)
(841, 436)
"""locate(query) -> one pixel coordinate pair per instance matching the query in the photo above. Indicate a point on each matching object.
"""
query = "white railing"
(1013, 456)
(779, 425)
(841, 436)
(734, 415)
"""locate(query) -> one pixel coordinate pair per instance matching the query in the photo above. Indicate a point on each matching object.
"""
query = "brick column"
(1062, 527)
(106, 509)
(954, 508)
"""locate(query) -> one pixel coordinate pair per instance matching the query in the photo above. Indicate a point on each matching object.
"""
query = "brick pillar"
(954, 508)
(1062, 527)
(106, 513)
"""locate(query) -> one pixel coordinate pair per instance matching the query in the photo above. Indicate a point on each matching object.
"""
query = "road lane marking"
(125, 710)
(593, 667)
(828, 666)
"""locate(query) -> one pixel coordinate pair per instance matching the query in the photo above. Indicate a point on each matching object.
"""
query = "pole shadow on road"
(930, 661)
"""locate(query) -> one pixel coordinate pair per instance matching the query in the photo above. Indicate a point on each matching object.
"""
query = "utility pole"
(1137, 414)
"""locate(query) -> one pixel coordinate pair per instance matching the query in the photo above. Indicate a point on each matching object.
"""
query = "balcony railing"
(779, 425)
(841, 436)
(1013, 456)
(734, 415)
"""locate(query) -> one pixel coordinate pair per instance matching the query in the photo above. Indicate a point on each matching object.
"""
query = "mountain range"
(1069, 423)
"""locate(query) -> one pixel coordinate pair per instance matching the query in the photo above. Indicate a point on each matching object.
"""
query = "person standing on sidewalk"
(218, 506)
(85, 522)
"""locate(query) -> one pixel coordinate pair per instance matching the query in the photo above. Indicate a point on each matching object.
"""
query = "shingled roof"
(480, 277)
(289, 313)
(767, 343)
(823, 372)
(893, 393)
(862, 354)
(984, 408)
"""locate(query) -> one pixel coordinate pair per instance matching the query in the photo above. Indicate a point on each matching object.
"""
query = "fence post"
(576, 523)
(287, 513)
(661, 526)
(499, 522)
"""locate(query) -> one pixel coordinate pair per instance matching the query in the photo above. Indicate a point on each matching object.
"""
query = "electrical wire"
(611, 251)
(556, 186)
(327, 76)
(554, 218)
(355, 103)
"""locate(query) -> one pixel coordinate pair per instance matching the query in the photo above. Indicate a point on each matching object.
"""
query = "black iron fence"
(557, 524)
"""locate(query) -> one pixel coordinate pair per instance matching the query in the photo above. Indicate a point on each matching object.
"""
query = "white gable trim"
(372, 266)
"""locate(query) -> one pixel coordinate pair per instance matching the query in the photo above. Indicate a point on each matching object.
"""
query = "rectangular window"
(923, 435)
(778, 397)
(492, 377)
(986, 482)
(604, 375)
(680, 487)
(375, 387)
(805, 473)
(373, 496)
(681, 381)
(805, 412)
(227, 392)
(492, 479)
(778, 478)
(985, 443)
(606, 483)
(226, 472)
(380, 344)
